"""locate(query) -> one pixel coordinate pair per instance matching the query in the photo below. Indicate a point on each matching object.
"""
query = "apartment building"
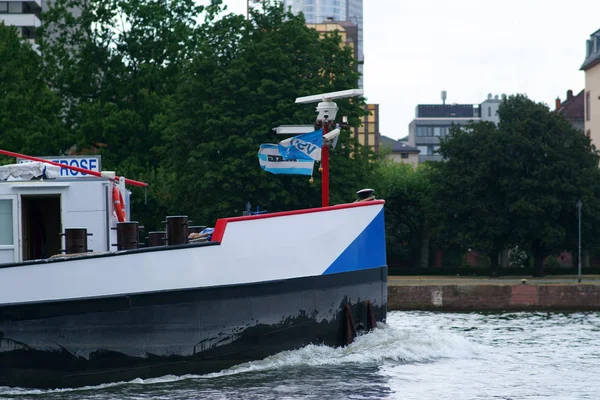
(572, 109)
(24, 15)
(432, 122)
(399, 151)
(320, 11)
(591, 66)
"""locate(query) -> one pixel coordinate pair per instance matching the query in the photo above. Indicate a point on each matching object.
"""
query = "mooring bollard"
(177, 229)
(127, 235)
(76, 240)
(156, 238)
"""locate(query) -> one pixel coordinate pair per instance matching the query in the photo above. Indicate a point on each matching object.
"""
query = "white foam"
(385, 344)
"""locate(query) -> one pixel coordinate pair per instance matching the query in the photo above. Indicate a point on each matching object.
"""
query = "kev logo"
(304, 147)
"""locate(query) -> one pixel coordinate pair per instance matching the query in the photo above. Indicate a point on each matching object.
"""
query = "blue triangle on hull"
(366, 251)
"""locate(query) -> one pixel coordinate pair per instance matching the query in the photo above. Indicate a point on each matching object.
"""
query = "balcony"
(30, 21)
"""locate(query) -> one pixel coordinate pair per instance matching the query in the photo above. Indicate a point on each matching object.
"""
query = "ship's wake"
(384, 345)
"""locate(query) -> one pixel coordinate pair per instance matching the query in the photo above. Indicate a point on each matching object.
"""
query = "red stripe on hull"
(221, 224)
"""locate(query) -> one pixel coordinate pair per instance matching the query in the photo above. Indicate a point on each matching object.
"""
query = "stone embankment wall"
(518, 297)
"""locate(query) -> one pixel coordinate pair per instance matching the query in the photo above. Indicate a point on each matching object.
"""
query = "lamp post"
(579, 258)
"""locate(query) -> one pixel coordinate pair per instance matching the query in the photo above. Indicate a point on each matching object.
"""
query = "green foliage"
(552, 262)
(407, 192)
(553, 166)
(29, 110)
(244, 85)
(518, 184)
(181, 96)
(471, 206)
(113, 64)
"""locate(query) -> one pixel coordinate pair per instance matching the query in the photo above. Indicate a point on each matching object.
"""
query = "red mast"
(327, 111)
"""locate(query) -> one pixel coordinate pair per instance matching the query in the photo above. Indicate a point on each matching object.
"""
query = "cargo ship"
(82, 303)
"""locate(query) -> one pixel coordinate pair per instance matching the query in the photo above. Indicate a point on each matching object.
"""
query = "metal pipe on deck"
(71, 167)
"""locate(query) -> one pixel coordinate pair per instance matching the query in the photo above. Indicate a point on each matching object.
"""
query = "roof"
(592, 57)
(573, 106)
(446, 110)
(591, 61)
(397, 146)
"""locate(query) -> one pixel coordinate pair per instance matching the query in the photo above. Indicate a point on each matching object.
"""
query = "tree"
(244, 84)
(184, 103)
(407, 192)
(114, 64)
(29, 110)
(552, 166)
(471, 204)
(518, 184)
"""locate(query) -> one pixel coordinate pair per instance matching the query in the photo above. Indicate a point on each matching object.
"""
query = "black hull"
(93, 341)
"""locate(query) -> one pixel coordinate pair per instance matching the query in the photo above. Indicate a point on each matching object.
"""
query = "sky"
(415, 49)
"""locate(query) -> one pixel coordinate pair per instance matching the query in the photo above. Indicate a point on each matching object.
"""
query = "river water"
(416, 355)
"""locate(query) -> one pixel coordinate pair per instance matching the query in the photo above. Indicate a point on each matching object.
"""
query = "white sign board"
(93, 163)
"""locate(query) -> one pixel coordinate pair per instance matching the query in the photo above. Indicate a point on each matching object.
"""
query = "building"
(591, 66)
(368, 133)
(572, 109)
(399, 151)
(347, 30)
(433, 122)
(489, 108)
(319, 11)
(24, 15)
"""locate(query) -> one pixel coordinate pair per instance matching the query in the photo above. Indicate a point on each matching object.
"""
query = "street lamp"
(579, 258)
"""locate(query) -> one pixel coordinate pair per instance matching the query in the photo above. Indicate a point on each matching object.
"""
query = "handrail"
(71, 167)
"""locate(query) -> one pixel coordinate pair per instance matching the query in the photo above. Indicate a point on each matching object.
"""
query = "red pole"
(325, 174)
(78, 169)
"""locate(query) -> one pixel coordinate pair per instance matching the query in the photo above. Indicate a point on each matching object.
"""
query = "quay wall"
(493, 297)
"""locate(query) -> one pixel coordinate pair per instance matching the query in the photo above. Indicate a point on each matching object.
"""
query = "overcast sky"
(415, 49)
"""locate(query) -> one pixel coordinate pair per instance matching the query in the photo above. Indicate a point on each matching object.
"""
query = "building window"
(423, 131)
(588, 133)
(3, 7)
(429, 131)
(15, 8)
(489, 111)
(587, 106)
(428, 150)
(404, 155)
(440, 131)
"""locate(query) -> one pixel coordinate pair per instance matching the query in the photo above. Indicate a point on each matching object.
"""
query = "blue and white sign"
(306, 146)
(93, 163)
(271, 160)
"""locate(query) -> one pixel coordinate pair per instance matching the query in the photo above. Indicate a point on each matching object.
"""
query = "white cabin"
(37, 204)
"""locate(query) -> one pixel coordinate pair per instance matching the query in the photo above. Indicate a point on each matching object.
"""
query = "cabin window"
(6, 222)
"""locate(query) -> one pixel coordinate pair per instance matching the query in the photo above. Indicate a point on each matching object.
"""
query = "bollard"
(177, 229)
(76, 240)
(127, 235)
(156, 238)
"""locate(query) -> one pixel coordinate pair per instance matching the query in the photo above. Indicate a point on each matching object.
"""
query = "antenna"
(327, 111)
(329, 96)
(326, 108)
(444, 97)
